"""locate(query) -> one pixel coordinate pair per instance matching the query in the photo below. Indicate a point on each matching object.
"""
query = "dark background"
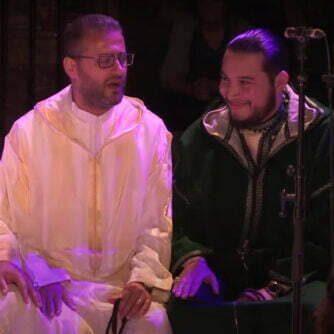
(30, 62)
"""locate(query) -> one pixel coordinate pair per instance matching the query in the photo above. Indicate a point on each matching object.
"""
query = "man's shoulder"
(193, 130)
(315, 113)
(24, 123)
(211, 123)
(147, 117)
(51, 103)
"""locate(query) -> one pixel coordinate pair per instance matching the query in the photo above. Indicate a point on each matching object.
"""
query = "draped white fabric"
(87, 198)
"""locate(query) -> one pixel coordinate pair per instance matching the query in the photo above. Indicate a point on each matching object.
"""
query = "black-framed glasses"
(106, 60)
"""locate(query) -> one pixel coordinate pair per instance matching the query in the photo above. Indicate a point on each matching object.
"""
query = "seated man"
(233, 231)
(85, 192)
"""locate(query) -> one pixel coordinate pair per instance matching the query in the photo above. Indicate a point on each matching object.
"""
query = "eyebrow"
(244, 77)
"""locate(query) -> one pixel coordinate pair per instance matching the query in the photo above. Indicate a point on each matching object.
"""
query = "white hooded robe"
(86, 199)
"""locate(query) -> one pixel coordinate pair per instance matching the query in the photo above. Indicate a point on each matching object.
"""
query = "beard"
(260, 114)
(102, 95)
(105, 96)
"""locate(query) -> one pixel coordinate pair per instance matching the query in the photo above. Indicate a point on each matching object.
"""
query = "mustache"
(117, 81)
(231, 102)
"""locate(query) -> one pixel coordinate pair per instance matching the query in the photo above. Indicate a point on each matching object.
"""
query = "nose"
(118, 68)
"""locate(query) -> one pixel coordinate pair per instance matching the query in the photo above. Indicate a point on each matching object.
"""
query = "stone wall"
(30, 61)
(30, 64)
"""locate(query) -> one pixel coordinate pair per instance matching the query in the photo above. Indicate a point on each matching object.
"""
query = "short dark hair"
(76, 30)
(262, 41)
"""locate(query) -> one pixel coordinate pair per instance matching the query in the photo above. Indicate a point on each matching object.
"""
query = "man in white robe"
(85, 195)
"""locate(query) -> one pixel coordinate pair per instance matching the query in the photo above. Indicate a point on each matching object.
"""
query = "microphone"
(303, 34)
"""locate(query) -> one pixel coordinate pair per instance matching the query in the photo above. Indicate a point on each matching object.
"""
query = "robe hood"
(217, 123)
(128, 114)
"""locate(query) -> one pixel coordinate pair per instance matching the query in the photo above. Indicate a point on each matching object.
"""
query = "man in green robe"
(233, 202)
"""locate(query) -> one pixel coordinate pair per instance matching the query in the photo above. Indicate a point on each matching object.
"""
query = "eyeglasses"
(106, 60)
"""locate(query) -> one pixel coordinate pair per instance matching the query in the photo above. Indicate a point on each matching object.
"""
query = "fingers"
(212, 280)
(22, 283)
(182, 288)
(181, 285)
(188, 283)
(195, 273)
(67, 299)
(43, 306)
(57, 306)
(123, 304)
(50, 307)
(185, 293)
(34, 296)
(243, 299)
(194, 287)
(176, 290)
(3, 286)
(135, 301)
(146, 306)
(9, 273)
(128, 301)
(52, 297)
(140, 307)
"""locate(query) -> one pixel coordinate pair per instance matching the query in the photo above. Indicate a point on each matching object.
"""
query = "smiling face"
(97, 89)
(250, 93)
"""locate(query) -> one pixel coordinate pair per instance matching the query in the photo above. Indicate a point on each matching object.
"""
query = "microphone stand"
(299, 209)
(329, 80)
(303, 35)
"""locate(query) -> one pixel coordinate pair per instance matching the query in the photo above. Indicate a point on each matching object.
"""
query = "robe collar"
(58, 111)
(217, 123)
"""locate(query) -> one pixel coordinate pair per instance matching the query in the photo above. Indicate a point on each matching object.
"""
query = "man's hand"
(195, 272)
(52, 296)
(11, 274)
(253, 295)
(135, 300)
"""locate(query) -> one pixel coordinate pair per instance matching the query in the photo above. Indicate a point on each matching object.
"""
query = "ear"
(281, 80)
(70, 67)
